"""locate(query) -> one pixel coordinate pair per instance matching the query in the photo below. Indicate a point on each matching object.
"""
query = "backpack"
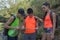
(57, 21)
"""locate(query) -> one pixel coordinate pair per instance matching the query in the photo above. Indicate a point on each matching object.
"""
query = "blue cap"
(21, 11)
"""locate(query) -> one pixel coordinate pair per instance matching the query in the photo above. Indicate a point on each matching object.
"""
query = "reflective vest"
(13, 32)
(15, 23)
(30, 25)
(47, 21)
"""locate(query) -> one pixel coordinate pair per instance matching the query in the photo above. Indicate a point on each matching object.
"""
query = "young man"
(49, 22)
(30, 25)
(13, 25)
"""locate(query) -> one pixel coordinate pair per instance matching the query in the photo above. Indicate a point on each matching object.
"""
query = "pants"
(12, 38)
(4, 37)
(29, 36)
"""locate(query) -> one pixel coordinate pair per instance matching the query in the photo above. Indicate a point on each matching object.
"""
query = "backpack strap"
(13, 20)
(44, 16)
(51, 16)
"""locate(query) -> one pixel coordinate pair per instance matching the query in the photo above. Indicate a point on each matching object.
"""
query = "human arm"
(38, 18)
(7, 24)
(54, 22)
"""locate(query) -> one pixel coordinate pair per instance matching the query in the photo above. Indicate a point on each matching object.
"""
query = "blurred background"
(9, 7)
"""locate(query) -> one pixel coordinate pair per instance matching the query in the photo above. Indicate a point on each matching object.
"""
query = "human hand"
(17, 28)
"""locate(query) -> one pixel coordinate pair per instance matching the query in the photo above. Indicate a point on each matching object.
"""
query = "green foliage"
(35, 4)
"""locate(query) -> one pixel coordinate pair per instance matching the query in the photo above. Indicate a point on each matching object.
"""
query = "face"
(18, 15)
(30, 15)
(44, 8)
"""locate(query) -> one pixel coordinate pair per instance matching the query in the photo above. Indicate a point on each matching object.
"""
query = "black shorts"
(48, 30)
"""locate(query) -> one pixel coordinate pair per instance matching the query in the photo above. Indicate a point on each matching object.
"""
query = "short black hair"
(46, 4)
(29, 10)
(21, 11)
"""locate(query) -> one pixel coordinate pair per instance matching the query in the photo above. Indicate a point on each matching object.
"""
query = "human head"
(45, 6)
(20, 13)
(30, 12)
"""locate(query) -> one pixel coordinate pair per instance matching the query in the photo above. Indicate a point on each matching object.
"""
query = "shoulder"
(52, 12)
(25, 17)
(35, 17)
(11, 18)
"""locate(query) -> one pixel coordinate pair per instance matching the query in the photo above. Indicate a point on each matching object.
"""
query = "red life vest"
(30, 25)
(47, 21)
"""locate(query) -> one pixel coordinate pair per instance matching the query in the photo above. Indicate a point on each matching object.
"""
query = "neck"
(48, 11)
(30, 16)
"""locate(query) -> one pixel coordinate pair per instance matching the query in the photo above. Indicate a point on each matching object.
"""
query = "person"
(49, 20)
(30, 25)
(13, 25)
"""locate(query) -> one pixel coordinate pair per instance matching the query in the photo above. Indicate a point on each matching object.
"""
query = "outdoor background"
(9, 7)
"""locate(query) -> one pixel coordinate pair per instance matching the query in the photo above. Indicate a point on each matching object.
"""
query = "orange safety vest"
(47, 21)
(30, 25)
